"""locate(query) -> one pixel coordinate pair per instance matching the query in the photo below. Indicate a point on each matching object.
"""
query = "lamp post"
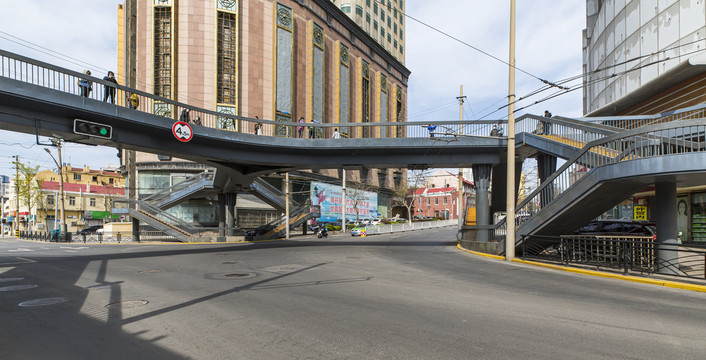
(62, 213)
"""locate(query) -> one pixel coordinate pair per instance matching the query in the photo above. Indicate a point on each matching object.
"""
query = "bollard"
(118, 238)
(100, 238)
(83, 237)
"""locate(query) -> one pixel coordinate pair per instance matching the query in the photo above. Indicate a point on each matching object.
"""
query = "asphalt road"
(401, 296)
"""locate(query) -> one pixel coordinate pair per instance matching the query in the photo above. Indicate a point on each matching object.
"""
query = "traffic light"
(84, 127)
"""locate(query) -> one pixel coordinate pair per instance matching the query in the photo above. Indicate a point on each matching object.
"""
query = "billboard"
(328, 197)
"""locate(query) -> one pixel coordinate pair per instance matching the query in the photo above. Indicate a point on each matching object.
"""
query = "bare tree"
(404, 195)
(358, 194)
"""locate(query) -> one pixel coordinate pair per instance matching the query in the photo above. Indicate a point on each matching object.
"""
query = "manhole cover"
(232, 275)
(237, 275)
(148, 271)
(10, 279)
(231, 262)
(44, 302)
(127, 304)
(17, 287)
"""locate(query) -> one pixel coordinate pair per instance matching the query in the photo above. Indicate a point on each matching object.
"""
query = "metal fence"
(627, 254)
(400, 227)
(117, 237)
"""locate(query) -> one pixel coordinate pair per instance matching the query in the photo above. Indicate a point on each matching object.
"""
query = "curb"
(665, 283)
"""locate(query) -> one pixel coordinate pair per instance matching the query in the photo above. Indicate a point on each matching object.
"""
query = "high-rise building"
(643, 57)
(275, 60)
(383, 20)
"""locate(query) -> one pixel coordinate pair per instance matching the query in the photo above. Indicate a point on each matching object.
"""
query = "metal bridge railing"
(67, 81)
(678, 137)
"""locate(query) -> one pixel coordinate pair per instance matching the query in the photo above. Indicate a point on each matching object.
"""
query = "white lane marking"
(20, 250)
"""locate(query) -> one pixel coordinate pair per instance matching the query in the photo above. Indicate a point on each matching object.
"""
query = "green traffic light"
(104, 131)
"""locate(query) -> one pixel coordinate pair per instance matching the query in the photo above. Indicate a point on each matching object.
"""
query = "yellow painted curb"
(665, 283)
(496, 257)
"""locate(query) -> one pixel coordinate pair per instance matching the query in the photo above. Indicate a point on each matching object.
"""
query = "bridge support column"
(135, 230)
(481, 179)
(546, 166)
(230, 213)
(221, 215)
(666, 219)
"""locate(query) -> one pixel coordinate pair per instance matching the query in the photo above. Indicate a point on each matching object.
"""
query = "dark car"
(618, 227)
(90, 230)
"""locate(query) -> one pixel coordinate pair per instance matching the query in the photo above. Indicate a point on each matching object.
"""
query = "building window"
(375, 8)
(365, 116)
(389, 22)
(92, 202)
(163, 51)
(367, 18)
(110, 181)
(284, 70)
(446, 201)
(394, 26)
(382, 32)
(375, 24)
(344, 87)
(401, 50)
(367, 3)
(383, 105)
(359, 10)
(428, 201)
(401, 37)
(395, 13)
(395, 44)
(50, 199)
(95, 179)
(77, 176)
(227, 80)
(382, 14)
(318, 80)
(72, 200)
(389, 38)
(346, 8)
(436, 201)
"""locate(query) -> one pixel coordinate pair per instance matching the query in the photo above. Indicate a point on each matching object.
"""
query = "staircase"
(278, 227)
(199, 185)
(270, 195)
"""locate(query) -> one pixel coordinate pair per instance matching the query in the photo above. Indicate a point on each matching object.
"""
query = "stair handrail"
(564, 178)
(188, 182)
(157, 212)
(269, 187)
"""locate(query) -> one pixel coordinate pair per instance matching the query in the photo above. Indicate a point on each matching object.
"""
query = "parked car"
(357, 231)
(618, 227)
(93, 229)
(376, 221)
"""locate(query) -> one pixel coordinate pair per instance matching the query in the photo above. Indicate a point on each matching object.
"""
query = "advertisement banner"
(328, 197)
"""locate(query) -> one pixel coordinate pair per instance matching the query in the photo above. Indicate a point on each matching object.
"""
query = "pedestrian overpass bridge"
(606, 159)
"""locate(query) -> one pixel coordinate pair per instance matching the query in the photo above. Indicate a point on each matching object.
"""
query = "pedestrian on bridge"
(300, 128)
(336, 134)
(109, 89)
(431, 129)
(132, 100)
(85, 85)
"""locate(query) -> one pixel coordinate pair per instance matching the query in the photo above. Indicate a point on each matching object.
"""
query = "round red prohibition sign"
(182, 131)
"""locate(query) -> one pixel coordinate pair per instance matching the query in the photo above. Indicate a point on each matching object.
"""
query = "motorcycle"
(321, 232)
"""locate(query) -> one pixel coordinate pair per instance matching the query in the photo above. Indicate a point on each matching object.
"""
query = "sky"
(80, 34)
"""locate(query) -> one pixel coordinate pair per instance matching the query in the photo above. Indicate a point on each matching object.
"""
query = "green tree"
(28, 186)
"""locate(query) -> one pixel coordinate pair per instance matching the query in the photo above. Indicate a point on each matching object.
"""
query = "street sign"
(182, 131)
(640, 212)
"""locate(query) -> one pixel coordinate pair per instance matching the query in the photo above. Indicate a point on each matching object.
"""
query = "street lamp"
(63, 229)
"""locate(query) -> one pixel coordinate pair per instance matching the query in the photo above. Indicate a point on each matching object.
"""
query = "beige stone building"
(275, 60)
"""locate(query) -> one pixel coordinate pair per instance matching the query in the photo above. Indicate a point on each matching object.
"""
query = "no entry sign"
(182, 131)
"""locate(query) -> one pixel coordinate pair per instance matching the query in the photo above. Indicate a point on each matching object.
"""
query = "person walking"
(494, 132)
(258, 126)
(501, 132)
(85, 85)
(431, 129)
(312, 130)
(109, 89)
(546, 124)
(336, 134)
(300, 128)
